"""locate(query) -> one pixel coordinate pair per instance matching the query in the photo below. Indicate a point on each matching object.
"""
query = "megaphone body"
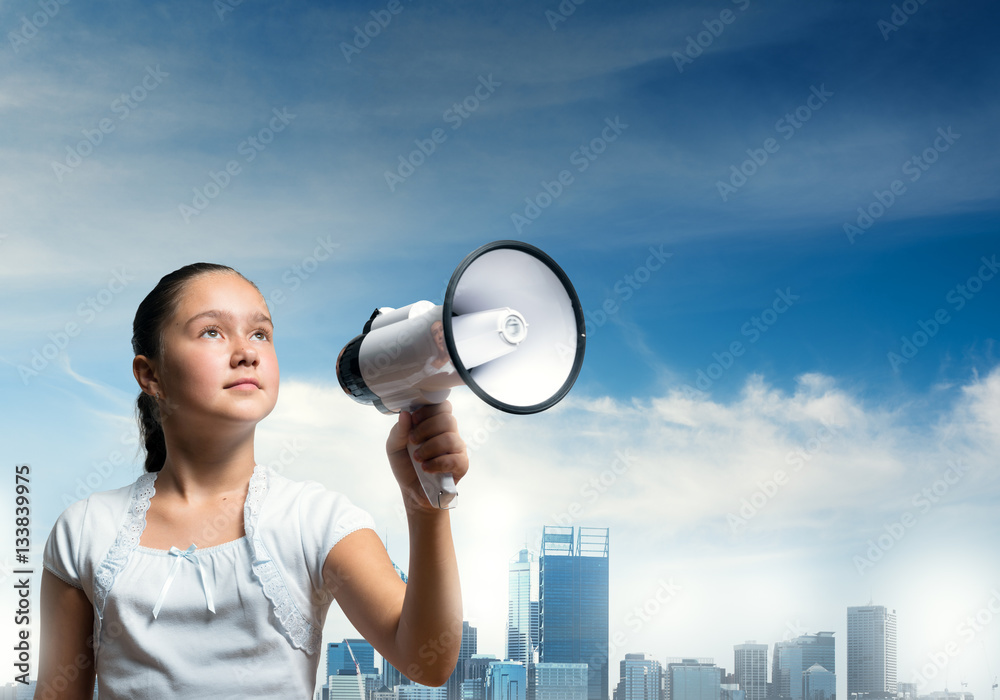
(510, 328)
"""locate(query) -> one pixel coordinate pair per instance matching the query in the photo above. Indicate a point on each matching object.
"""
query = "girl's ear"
(145, 374)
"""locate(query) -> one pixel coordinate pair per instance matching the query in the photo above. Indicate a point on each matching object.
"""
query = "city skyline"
(806, 648)
(806, 662)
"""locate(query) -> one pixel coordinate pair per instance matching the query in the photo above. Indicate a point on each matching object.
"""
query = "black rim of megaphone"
(446, 314)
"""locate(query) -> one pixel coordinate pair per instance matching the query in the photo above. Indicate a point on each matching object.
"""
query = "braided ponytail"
(147, 339)
(150, 431)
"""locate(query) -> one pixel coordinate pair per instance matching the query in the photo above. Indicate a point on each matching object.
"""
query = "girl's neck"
(196, 471)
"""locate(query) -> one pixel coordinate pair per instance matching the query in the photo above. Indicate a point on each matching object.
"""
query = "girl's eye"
(210, 332)
(261, 335)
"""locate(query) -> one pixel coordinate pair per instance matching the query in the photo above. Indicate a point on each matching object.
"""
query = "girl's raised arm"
(416, 626)
(66, 659)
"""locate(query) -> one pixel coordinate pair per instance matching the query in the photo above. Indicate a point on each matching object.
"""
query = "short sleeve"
(325, 518)
(62, 554)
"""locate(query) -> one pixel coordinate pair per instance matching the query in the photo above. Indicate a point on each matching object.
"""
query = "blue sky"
(693, 165)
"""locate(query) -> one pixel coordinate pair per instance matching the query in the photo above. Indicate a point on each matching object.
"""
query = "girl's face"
(218, 357)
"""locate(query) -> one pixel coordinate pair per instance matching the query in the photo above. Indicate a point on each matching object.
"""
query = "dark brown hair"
(147, 339)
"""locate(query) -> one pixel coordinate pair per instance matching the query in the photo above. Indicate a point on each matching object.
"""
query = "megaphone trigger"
(439, 488)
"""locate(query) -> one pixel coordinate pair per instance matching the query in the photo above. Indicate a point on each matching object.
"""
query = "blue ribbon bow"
(190, 556)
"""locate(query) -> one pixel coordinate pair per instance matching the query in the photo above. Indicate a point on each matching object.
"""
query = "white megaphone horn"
(510, 328)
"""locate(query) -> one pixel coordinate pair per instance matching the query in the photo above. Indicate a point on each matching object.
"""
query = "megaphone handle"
(439, 487)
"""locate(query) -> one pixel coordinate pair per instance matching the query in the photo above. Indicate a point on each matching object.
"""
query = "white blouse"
(263, 639)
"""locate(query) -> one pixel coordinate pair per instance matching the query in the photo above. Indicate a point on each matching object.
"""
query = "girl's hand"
(440, 449)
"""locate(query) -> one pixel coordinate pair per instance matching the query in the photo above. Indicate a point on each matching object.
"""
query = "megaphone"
(510, 328)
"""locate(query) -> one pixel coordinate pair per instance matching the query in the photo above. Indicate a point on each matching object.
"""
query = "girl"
(211, 576)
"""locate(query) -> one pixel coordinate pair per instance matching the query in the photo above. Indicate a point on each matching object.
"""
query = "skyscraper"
(466, 651)
(640, 678)
(751, 669)
(391, 676)
(522, 612)
(477, 667)
(344, 687)
(559, 681)
(506, 680)
(350, 670)
(350, 656)
(793, 657)
(871, 651)
(693, 679)
(573, 602)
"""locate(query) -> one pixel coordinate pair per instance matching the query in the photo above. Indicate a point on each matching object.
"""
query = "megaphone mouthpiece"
(484, 336)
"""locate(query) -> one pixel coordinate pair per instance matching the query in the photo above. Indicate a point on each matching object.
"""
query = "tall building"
(522, 612)
(506, 680)
(819, 683)
(340, 661)
(466, 651)
(473, 689)
(871, 651)
(350, 670)
(573, 602)
(559, 681)
(693, 679)
(392, 676)
(477, 666)
(639, 678)
(791, 659)
(751, 669)
(344, 687)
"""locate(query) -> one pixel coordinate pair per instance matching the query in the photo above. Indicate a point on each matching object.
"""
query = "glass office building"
(573, 602)
(470, 646)
(340, 662)
(819, 684)
(522, 611)
(506, 680)
(559, 681)
(793, 657)
(640, 678)
(693, 679)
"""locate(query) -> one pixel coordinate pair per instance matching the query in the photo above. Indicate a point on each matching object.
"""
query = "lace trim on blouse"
(126, 541)
(299, 631)
(297, 628)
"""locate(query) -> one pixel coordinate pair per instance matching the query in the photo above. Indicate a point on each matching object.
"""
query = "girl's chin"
(233, 414)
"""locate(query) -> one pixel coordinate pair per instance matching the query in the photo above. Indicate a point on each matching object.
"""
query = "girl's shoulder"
(87, 529)
(304, 511)
(288, 495)
(109, 504)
